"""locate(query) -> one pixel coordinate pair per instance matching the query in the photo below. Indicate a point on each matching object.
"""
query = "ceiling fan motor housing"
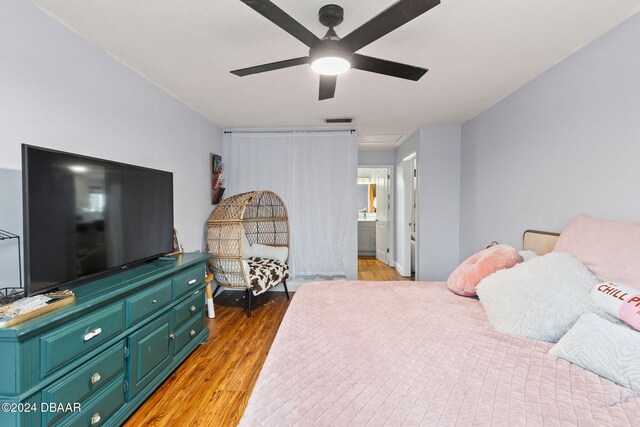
(331, 15)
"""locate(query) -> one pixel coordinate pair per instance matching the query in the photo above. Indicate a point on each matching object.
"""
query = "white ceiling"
(478, 51)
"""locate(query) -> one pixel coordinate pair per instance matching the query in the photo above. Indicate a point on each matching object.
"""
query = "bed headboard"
(541, 242)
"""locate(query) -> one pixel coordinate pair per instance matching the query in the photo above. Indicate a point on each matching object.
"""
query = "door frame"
(392, 209)
(403, 265)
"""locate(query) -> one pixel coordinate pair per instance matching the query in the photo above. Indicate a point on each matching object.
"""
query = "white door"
(383, 207)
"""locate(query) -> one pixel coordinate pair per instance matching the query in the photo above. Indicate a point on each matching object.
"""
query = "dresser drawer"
(190, 279)
(84, 382)
(147, 302)
(192, 306)
(188, 332)
(97, 410)
(76, 338)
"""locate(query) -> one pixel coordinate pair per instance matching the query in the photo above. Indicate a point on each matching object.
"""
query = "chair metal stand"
(249, 298)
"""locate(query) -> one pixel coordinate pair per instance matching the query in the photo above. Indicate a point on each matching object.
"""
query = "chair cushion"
(266, 273)
(280, 253)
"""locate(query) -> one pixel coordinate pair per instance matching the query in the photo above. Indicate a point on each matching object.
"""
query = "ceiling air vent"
(339, 120)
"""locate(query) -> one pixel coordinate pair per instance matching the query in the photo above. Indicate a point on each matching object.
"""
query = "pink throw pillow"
(465, 278)
(610, 249)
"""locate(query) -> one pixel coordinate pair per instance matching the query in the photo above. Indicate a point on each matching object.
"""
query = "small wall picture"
(177, 246)
(217, 180)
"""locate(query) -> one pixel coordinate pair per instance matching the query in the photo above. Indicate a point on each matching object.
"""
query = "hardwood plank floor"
(369, 268)
(213, 385)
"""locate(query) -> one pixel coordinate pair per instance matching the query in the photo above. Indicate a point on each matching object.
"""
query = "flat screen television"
(85, 217)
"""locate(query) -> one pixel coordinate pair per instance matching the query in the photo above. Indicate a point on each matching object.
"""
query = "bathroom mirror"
(366, 197)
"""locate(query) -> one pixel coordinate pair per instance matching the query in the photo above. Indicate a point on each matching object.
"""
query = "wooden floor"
(212, 387)
(369, 268)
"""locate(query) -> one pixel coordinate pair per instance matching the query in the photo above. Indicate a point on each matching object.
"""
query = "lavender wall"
(438, 222)
(566, 143)
(438, 195)
(376, 157)
(58, 90)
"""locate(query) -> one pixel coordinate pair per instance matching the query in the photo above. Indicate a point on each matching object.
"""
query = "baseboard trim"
(401, 270)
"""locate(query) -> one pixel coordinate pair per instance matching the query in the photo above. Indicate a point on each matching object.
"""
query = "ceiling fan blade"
(271, 66)
(388, 20)
(327, 87)
(389, 68)
(279, 17)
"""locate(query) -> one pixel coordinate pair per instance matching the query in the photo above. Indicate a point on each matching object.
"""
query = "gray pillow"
(539, 299)
(604, 348)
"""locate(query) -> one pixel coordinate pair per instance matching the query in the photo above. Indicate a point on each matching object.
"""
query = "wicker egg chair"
(262, 217)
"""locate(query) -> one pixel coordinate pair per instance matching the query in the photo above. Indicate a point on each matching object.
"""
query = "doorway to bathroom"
(375, 224)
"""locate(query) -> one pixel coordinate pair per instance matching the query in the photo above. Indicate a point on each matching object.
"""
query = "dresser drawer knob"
(192, 281)
(95, 378)
(92, 334)
(172, 336)
(153, 301)
(192, 308)
(192, 332)
(96, 418)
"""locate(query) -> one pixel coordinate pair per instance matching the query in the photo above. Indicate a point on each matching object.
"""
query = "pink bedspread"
(403, 353)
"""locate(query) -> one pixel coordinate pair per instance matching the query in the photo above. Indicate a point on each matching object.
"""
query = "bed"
(413, 353)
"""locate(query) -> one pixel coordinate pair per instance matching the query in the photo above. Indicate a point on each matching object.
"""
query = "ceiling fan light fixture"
(330, 65)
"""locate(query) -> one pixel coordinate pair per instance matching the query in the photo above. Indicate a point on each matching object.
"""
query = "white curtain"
(315, 173)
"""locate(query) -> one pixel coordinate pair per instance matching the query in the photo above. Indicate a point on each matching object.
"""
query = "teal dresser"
(93, 362)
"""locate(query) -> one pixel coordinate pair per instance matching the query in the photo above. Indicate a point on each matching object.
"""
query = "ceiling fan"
(333, 55)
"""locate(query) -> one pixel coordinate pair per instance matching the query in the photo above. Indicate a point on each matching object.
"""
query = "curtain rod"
(289, 131)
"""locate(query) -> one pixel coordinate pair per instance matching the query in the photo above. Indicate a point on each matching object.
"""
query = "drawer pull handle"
(96, 418)
(93, 334)
(172, 336)
(95, 378)
(192, 281)
(153, 301)
(192, 332)
(192, 308)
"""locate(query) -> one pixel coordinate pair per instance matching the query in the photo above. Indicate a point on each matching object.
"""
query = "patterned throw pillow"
(604, 348)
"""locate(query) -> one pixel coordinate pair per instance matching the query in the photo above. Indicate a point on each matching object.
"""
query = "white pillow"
(604, 348)
(527, 255)
(247, 251)
(538, 299)
(279, 253)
